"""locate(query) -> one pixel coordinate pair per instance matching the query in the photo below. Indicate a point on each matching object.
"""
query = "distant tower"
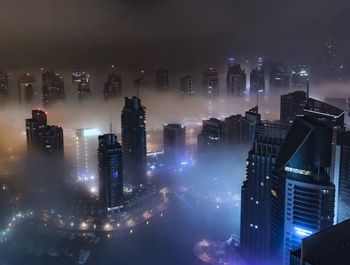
(81, 83)
(4, 85)
(133, 121)
(236, 80)
(113, 85)
(292, 105)
(34, 128)
(211, 137)
(140, 83)
(279, 76)
(210, 82)
(110, 165)
(257, 80)
(26, 89)
(53, 87)
(162, 79)
(52, 140)
(188, 85)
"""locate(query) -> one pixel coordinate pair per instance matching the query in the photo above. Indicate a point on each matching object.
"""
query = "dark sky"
(181, 33)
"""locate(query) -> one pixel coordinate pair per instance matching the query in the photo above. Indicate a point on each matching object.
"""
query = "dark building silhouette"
(210, 82)
(279, 76)
(257, 80)
(53, 87)
(236, 80)
(162, 79)
(4, 85)
(211, 137)
(302, 192)
(292, 105)
(27, 89)
(113, 85)
(239, 129)
(80, 80)
(330, 246)
(133, 121)
(140, 83)
(43, 137)
(188, 85)
(256, 192)
(174, 136)
(300, 76)
(110, 168)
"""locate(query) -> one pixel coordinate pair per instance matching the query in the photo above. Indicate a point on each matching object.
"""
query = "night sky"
(181, 33)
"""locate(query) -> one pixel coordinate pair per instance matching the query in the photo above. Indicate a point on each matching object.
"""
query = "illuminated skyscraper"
(210, 82)
(110, 164)
(113, 86)
(256, 192)
(53, 87)
(34, 127)
(188, 85)
(174, 141)
(86, 157)
(80, 80)
(302, 192)
(292, 105)
(4, 85)
(236, 80)
(133, 121)
(27, 89)
(162, 79)
(211, 137)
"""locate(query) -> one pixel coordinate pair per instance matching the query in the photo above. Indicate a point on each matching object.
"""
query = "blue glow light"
(302, 232)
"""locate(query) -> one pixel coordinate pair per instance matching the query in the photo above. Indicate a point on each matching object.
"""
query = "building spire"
(110, 125)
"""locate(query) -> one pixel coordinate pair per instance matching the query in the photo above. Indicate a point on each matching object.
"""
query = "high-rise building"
(210, 82)
(43, 137)
(341, 174)
(302, 192)
(239, 129)
(292, 105)
(236, 80)
(110, 165)
(133, 121)
(162, 79)
(26, 88)
(300, 76)
(51, 140)
(257, 80)
(86, 157)
(53, 87)
(256, 192)
(80, 80)
(333, 70)
(211, 137)
(330, 246)
(113, 85)
(174, 141)
(4, 85)
(279, 76)
(34, 127)
(188, 85)
(140, 83)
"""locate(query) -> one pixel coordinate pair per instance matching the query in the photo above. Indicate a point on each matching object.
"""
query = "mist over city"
(174, 132)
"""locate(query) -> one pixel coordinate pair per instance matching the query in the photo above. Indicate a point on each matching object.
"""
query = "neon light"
(302, 232)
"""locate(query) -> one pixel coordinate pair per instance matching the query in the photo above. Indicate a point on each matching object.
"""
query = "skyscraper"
(133, 121)
(53, 87)
(279, 76)
(188, 85)
(210, 82)
(236, 80)
(34, 128)
(51, 140)
(4, 85)
(26, 88)
(300, 76)
(162, 79)
(174, 141)
(110, 166)
(256, 192)
(302, 192)
(113, 85)
(80, 80)
(292, 105)
(211, 137)
(257, 80)
(239, 129)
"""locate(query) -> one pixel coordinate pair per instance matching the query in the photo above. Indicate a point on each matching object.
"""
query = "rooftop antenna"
(110, 125)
